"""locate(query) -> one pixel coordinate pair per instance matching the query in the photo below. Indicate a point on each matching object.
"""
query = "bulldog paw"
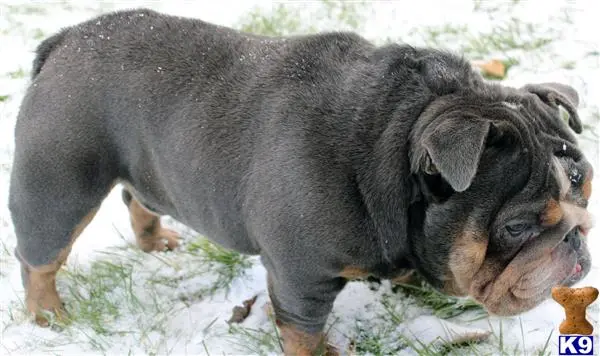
(46, 308)
(161, 240)
(47, 317)
(300, 343)
(166, 240)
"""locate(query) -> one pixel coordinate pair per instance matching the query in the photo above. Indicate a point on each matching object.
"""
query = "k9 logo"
(575, 345)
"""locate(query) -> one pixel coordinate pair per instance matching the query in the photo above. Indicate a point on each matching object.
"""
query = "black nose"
(573, 238)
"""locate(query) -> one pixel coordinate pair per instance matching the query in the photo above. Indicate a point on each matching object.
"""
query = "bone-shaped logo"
(575, 301)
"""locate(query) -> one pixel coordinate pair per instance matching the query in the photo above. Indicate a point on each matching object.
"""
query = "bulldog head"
(506, 190)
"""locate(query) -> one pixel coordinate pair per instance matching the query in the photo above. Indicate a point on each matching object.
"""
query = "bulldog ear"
(555, 94)
(453, 149)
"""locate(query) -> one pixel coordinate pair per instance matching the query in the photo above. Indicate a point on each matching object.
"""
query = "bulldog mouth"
(566, 264)
(577, 269)
(574, 240)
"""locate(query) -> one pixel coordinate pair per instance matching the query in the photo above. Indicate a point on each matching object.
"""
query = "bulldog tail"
(43, 51)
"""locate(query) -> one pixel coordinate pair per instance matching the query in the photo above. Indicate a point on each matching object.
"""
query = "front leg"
(301, 303)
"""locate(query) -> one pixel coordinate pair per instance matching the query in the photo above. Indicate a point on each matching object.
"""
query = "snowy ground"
(176, 303)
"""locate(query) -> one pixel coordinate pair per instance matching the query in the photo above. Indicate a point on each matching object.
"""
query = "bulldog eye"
(517, 229)
(575, 176)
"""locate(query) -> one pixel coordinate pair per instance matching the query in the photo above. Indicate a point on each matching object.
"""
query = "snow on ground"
(152, 316)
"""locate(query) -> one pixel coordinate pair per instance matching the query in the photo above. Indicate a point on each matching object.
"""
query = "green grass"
(26, 9)
(223, 264)
(232, 262)
(3, 98)
(285, 18)
(18, 74)
(38, 34)
(377, 340)
(281, 22)
(263, 341)
(379, 335)
(5, 257)
(91, 294)
(590, 130)
(441, 349)
(255, 341)
(543, 351)
(506, 40)
(442, 305)
(369, 342)
(349, 14)
(99, 296)
(124, 282)
(509, 38)
(568, 64)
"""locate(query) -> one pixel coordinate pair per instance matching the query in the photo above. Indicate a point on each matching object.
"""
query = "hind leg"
(50, 208)
(149, 233)
(40, 280)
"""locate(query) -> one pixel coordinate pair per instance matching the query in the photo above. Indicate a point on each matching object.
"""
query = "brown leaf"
(492, 68)
(240, 313)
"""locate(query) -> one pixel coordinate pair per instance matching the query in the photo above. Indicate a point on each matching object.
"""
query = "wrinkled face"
(518, 229)
(530, 246)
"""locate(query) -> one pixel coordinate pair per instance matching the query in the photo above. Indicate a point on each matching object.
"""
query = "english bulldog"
(330, 157)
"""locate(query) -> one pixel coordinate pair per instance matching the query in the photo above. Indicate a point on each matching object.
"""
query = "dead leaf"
(240, 313)
(492, 68)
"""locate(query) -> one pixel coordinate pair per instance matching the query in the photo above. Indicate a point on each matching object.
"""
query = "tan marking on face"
(149, 234)
(512, 287)
(520, 285)
(586, 187)
(466, 257)
(300, 343)
(353, 272)
(576, 216)
(556, 211)
(41, 291)
(552, 214)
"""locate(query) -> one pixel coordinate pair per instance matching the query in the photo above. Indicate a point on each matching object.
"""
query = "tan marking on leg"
(466, 257)
(404, 278)
(41, 293)
(352, 272)
(574, 215)
(553, 213)
(300, 343)
(149, 234)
